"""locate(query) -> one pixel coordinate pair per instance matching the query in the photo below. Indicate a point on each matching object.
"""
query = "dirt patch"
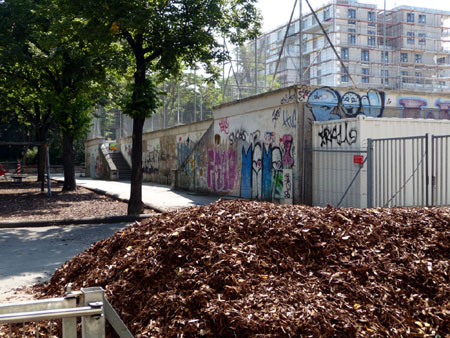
(26, 202)
(251, 269)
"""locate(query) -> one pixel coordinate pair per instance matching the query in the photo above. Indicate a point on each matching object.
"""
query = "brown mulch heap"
(26, 202)
(252, 269)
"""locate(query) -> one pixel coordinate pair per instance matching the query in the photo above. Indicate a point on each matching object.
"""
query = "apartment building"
(402, 48)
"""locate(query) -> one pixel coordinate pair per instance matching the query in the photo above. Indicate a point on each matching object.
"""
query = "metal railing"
(89, 304)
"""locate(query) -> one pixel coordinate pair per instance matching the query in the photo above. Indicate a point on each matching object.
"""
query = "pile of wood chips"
(257, 269)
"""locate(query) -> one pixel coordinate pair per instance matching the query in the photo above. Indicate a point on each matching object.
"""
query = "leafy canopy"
(160, 37)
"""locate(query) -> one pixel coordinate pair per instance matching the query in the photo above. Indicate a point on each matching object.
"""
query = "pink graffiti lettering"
(223, 124)
(288, 160)
(222, 164)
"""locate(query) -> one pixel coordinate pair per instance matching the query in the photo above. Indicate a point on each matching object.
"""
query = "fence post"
(69, 325)
(369, 173)
(93, 326)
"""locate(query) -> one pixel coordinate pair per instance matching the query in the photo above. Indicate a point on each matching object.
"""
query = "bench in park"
(18, 178)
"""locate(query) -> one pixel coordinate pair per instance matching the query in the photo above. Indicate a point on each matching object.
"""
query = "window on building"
(371, 18)
(315, 43)
(319, 76)
(364, 55)
(313, 20)
(371, 39)
(419, 78)
(410, 17)
(422, 38)
(385, 57)
(403, 57)
(441, 61)
(280, 34)
(365, 71)
(422, 18)
(291, 30)
(351, 36)
(326, 14)
(352, 16)
(385, 76)
(418, 58)
(442, 83)
(410, 38)
(319, 57)
(404, 75)
(344, 53)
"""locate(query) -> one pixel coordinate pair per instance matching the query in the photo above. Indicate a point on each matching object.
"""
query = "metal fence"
(38, 317)
(339, 177)
(408, 171)
(391, 172)
(440, 154)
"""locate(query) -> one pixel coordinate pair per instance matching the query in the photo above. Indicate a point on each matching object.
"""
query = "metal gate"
(408, 171)
(339, 177)
(440, 153)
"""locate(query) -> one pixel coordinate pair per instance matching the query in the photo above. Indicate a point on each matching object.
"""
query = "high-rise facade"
(405, 48)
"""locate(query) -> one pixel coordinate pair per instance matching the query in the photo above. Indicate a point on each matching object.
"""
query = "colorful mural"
(251, 163)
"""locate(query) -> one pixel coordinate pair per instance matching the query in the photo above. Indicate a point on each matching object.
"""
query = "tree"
(22, 92)
(67, 69)
(158, 37)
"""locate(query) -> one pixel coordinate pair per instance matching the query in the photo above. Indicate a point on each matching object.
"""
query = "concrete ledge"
(73, 221)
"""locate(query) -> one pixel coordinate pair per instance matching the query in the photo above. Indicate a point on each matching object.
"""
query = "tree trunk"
(135, 205)
(41, 164)
(70, 183)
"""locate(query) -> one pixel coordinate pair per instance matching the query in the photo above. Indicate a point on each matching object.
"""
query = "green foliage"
(143, 101)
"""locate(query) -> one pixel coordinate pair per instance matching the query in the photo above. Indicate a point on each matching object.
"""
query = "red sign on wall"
(358, 159)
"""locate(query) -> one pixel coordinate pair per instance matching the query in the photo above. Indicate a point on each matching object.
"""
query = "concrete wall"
(165, 150)
(258, 147)
(94, 163)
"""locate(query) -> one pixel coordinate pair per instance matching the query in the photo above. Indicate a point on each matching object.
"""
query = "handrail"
(50, 314)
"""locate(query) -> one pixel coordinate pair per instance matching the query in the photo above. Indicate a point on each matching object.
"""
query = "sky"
(277, 12)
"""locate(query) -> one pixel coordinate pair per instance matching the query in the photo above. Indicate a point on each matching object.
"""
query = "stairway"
(122, 166)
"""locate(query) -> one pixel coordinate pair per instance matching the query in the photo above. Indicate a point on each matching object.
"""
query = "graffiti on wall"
(417, 107)
(300, 95)
(223, 125)
(289, 117)
(251, 164)
(303, 93)
(150, 161)
(222, 167)
(263, 162)
(184, 148)
(151, 157)
(340, 134)
(239, 135)
(327, 104)
(287, 183)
